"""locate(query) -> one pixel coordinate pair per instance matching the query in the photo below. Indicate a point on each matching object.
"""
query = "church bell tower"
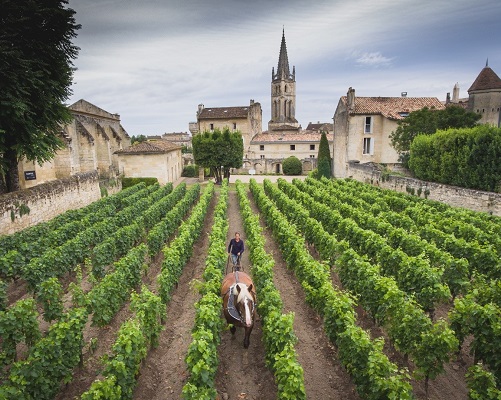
(283, 94)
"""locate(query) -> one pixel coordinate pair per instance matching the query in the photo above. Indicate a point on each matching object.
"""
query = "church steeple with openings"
(283, 94)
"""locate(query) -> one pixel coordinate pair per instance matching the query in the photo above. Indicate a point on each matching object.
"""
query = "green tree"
(292, 166)
(138, 139)
(218, 151)
(36, 72)
(428, 121)
(324, 157)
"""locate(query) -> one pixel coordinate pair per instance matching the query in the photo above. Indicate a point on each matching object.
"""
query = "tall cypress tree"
(324, 157)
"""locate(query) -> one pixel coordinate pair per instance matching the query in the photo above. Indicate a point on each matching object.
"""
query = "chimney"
(455, 93)
(403, 94)
(251, 102)
(350, 97)
(448, 98)
(200, 108)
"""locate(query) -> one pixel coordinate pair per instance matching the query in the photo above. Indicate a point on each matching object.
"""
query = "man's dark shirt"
(236, 247)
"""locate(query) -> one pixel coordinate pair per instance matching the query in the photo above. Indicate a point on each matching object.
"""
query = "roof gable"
(487, 79)
(83, 106)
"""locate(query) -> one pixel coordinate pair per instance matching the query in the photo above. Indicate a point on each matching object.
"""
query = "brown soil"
(242, 373)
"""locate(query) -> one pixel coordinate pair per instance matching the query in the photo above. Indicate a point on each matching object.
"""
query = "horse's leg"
(248, 331)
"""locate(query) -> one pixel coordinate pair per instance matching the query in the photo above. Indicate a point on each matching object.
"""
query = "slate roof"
(392, 107)
(286, 138)
(150, 147)
(487, 79)
(223, 112)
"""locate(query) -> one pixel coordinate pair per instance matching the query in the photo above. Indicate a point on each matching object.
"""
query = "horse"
(239, 302)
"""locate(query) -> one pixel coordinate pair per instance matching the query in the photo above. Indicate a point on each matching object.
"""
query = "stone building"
(91, 139)
(179, 138)
(268, 151)
(151, 159)
(362, 126)
(485, 97)
(248, 120)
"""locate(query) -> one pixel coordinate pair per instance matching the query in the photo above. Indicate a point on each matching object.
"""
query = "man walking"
(235, 250)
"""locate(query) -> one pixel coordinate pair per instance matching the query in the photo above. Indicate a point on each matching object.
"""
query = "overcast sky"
(154, 61)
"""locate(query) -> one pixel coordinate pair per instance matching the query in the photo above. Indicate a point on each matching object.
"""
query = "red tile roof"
(392, 107)
(150, 147)
(224, 112)
(286, 138)
(487, 79)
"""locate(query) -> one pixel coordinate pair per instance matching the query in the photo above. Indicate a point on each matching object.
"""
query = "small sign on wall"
(30, 175)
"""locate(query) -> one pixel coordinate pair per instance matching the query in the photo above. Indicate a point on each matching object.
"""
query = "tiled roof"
(285, 138)
(150, 147)
(392, 107)
(487, 79)
(318, 126)
(223, 112)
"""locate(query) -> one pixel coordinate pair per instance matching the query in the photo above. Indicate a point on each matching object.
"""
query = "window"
(312, 156)
(368, 125)
(261, 147)
(234, 125)
(211, 127)
(312, 147)
(368, 146)
(262, 156)
(293, 147)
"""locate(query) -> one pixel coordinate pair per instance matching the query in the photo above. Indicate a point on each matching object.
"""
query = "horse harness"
(232, 309)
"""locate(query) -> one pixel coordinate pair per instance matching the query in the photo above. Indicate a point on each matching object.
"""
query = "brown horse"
(239, 302)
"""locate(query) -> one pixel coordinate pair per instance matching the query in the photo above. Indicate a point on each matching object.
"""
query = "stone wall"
(455, 196)
(48, 200)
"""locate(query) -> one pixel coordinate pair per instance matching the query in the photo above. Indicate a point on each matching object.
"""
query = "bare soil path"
(242, 373)
(163, 372)
(324, 376)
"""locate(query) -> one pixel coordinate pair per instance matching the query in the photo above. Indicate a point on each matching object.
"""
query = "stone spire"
(283, 70)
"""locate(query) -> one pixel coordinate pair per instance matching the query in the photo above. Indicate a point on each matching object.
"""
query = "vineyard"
(363, 293)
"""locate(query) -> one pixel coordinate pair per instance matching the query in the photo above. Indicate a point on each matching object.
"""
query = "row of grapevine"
(278, 332)
(413, 274)
(169, 223)
(482, 384)
(134, 339)
(474, 229)
(455, 271)
(107, 297)
(13, 262)
(373, 374)
(181, 248)
(57, 261)
(478, 313)
(483, 322)
(484, 221)
(103, 300)
(202, 360)
(411, 331)
(117, 244)
(22, 241)
(18, 324)
(50, 361)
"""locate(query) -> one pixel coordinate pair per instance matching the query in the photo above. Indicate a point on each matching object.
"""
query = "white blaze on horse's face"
(244, 297)
(247, 312)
